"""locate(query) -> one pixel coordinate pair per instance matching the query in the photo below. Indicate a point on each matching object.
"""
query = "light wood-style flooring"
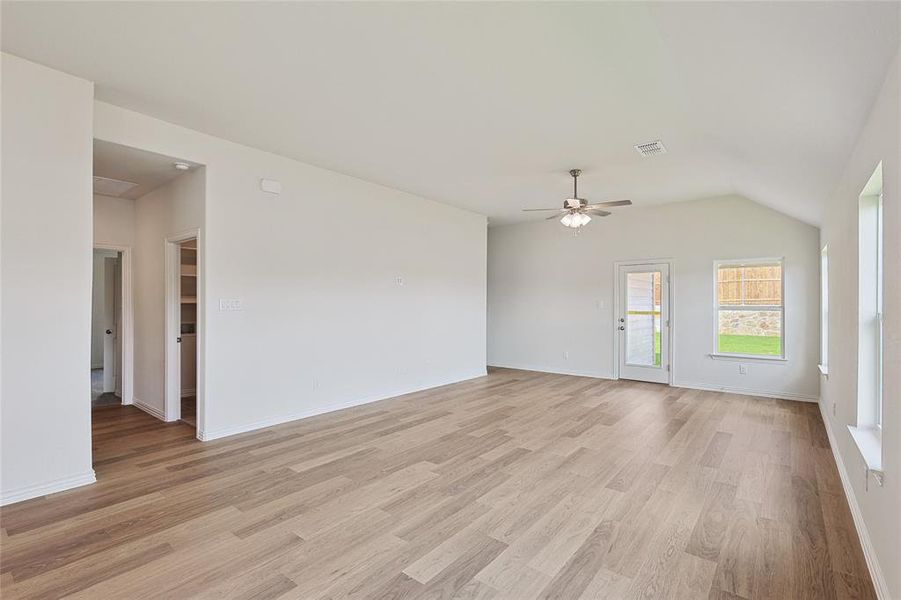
(514, 486)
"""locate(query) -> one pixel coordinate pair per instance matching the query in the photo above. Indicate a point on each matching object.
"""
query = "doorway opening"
(106, 328)
(643, 322)
(185, 291)
(150, 207)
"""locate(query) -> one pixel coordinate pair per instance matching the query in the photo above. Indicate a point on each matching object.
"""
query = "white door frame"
(126, 334)
(173, 321)
(617, 310)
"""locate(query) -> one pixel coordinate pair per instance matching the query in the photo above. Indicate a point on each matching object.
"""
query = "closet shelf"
(189, 299)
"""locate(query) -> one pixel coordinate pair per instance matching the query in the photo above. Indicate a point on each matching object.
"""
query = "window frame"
(748, 262)
(867, 429)
(824, 310)
(880, 313)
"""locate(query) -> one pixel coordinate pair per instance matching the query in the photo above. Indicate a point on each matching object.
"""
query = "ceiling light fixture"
(182, 166)
(575, 220)
(577, 212)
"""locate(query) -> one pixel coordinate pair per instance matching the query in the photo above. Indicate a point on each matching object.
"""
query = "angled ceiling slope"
(487, 105)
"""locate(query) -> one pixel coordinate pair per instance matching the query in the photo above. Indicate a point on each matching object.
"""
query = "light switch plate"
(230, 304)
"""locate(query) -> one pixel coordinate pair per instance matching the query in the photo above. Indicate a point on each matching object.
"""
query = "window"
(870, 338)
(749, 309)
(879, 309)
(867, 433)
(824, 310)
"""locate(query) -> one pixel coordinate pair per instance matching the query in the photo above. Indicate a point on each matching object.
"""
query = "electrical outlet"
(314, 384)
(399, 280)
(742, 369)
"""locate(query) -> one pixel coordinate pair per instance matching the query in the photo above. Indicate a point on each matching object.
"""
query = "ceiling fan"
(576, 211)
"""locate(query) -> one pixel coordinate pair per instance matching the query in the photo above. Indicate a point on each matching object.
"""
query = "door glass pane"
(643, 319)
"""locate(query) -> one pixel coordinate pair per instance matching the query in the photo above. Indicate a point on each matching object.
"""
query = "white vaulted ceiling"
(487, 105)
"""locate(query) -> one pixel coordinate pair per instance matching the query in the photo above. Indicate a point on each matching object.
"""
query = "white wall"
(324, 325)
(171, 209)
(550, 292)
(879, 508)
(46, 280)
(114, 221)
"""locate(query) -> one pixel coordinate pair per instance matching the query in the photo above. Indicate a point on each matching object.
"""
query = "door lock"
(178, 339)
(621, 328)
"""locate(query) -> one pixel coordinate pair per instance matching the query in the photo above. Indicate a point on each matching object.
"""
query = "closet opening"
(183, 328)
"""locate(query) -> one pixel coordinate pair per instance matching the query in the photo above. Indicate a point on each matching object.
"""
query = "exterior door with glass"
(643, 322)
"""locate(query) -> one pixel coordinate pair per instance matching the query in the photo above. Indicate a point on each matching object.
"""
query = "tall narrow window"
(824, 310)
(879, 309)
(870, 335)
(749, 308)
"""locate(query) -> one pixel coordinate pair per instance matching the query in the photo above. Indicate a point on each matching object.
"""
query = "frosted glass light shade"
(575, 220)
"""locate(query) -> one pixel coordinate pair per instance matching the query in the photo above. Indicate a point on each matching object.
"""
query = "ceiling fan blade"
(540, 209)
(611, 203)
(598, 212)
(552, 217)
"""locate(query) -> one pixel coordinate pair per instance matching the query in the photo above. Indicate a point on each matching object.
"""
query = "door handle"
(621, 328)
(178, 340)
(622, 320)
(109, 331)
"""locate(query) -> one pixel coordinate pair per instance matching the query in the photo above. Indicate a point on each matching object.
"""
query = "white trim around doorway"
(617, 309)
(173, 307)
(127, 334)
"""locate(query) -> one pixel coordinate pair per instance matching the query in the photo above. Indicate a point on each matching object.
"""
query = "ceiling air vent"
(651, 148)
(111, 187)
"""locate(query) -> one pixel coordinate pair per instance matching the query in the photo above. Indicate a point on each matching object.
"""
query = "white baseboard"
(680, 384)
(49, 487)
(551, 371)
(882, 591)
(747, 391)
(150, 410)
(214, 434)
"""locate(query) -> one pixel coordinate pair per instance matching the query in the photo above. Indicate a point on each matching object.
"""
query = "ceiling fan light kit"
(576, 211)
(575, 220)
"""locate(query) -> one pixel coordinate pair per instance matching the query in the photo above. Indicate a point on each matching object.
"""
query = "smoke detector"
(651, 148)
(111, 187)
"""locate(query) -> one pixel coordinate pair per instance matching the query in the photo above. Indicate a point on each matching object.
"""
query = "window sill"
(745, 357)
(869, 443)
(824, 370)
